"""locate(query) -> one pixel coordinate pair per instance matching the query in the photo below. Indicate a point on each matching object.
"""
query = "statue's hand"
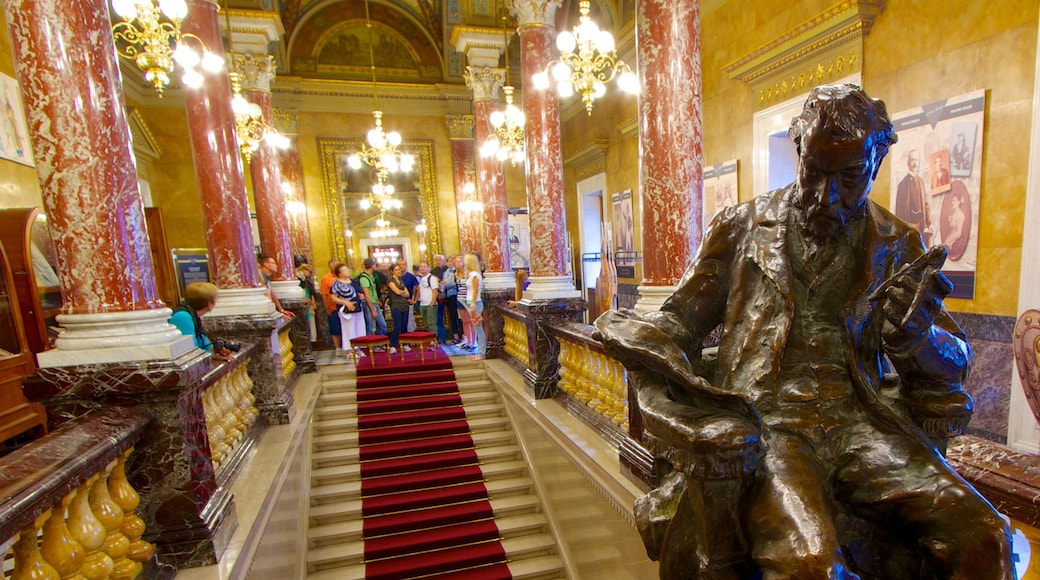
(913, 298)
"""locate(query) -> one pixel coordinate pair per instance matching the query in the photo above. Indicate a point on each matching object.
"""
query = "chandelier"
(382, 196)
(383, 229)
(507, 138)
(587, 63)
(381, 151)
(150, 35)
(250, 126)
(469, 204)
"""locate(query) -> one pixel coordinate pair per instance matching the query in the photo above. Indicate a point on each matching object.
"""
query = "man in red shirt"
(335, 330)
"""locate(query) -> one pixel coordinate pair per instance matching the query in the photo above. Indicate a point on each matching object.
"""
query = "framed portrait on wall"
(14, 135)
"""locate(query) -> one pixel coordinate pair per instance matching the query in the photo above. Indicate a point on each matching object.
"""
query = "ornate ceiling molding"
(629, 127)
(320, 95)
(253, 31)
(826, 47)
(482, 46)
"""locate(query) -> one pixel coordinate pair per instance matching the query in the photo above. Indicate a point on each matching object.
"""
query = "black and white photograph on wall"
(962, 148)
(936, 179)
(624, 234)
(720, 189)
(519, 238)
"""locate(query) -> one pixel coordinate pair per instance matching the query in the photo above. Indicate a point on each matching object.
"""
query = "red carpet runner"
(425, 508)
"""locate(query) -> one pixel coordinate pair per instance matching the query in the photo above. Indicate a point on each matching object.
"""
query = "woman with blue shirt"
(199, 300)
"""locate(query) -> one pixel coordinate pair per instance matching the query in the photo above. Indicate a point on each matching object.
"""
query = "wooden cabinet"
(17, 415)
(33, 265)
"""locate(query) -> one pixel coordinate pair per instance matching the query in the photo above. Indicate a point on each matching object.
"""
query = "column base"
(116, 337)
(544, 288)
(273, 390)
(288, 290)
(500, 281)
(241, 302)
(544, 365)
(299, 333)
(652, 298)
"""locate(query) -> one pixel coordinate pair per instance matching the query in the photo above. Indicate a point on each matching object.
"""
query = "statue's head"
(842, 137)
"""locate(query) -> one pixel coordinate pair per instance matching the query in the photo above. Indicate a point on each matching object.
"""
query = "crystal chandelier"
(149, 33)
(383, 229)
(381, 151)
(382, 196)
(250, 126)
(507, 139)
(587, 63)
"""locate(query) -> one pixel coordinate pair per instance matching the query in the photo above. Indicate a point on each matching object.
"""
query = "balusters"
(28, 561)
(133, 527)
(229, 409)
(88, 530)
(286, 347)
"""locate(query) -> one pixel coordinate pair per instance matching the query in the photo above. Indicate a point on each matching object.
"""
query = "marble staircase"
(336, 547)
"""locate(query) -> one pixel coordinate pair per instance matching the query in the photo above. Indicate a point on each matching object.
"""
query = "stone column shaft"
(550, 270)
(218, 173)
(463, 168)
(671, 157)
(292, 173)
(486, 84)
(67, 68)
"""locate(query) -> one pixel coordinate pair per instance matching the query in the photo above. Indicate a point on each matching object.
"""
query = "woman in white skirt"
(352, 321)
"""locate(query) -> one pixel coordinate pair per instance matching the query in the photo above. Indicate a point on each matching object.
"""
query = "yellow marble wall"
(916, 53)
(313, 126)
(621, 164)
(172, 177)
(19, 184)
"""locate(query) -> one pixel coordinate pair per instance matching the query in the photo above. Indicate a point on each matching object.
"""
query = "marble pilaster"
(68, 71)
(463, 169)
(492, 186)
(550, 270)
(292, 179)
(219, 175)
(671, 156)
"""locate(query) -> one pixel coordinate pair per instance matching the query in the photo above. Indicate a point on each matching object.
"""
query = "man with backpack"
(372, 307)
(429, 290)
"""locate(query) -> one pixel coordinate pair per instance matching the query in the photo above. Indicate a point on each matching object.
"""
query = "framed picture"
(14, 136)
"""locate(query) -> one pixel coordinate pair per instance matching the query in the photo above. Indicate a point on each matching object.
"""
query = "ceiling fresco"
(333, 42)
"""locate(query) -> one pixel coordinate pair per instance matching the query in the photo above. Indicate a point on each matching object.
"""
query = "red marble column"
(670, 149)
(463, 169)
(257, 72)
(292, 174)
(81, 141)
(544, 169)
(492, 181)
(218, 165)
(67, 68)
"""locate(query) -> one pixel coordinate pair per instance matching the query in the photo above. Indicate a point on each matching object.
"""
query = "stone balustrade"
(68, 508)
(597, 380)
(515, 332)
(229, 409)
(285, 350)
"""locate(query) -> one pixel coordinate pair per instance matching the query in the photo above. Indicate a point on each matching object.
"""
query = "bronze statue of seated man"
(808, 447)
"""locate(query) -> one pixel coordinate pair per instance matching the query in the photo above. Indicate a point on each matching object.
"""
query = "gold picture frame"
(333, 153)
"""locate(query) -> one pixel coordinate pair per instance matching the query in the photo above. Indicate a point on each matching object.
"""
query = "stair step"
(334, 470)
(348, 427)
(540, 568)
(348, 486)
(349, 424)
(346, 380)
(342, 455)
(345, 510)
(344, 396)
(350, 409)
(350, 439)
(508, 509)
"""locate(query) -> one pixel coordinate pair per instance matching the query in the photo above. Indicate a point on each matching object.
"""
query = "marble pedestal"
(544, 366)
(300, 334)
(274, 390)
(188, 513)
(494, 301)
